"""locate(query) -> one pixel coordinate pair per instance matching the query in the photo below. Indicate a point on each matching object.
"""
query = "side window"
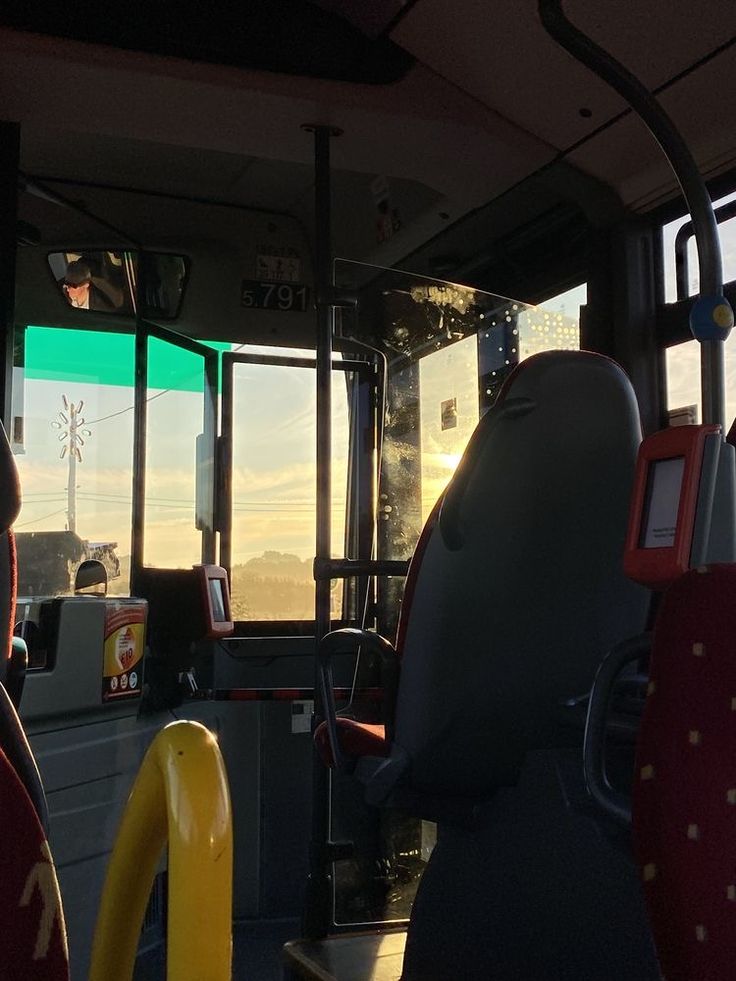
(683, 360)
(553, 325)
(449, 379)
(72, 437)
(174, 419)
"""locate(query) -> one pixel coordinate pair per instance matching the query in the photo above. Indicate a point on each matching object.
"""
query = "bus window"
(683, 378)
(683, 360)
(174, 419)
(553, 325)
(73, 440)
(273, 489)
(727, 234)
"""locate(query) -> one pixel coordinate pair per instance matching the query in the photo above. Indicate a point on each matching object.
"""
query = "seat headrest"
(548, 379)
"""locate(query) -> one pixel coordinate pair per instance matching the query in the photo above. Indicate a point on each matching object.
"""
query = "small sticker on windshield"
(448, 412)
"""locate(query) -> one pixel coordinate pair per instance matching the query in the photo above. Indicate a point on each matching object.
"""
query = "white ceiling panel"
(499, 53)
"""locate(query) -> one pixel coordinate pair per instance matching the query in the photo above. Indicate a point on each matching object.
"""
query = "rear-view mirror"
(117, 282)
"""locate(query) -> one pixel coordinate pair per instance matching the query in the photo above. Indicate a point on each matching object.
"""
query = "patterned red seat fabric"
(356, 739)
(685, 789)
(32, 935)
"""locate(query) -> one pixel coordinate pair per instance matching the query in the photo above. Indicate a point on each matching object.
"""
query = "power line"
(36, 520)
(233, 350)
(185, 502)
(121, 412)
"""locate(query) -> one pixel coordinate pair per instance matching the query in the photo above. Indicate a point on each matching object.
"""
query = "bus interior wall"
(490, 199)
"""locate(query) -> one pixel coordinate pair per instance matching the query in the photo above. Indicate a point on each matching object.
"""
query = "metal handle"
(615, 804)
(348, 641)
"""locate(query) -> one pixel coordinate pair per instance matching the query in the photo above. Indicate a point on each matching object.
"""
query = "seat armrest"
(349, 640)
(15, 672)
(594, 749)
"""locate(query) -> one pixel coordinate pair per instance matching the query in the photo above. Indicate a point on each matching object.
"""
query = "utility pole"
(70, 423)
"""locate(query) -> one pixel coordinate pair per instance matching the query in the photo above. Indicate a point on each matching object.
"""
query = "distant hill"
(276, 586)
(278, 565)
(272, 586)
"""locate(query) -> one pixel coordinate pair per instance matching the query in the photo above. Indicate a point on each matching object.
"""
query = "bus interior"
(335, 330)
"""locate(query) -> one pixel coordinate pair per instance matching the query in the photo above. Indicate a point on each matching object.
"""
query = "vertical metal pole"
(713, 382)
(318, 903)
(71, 491)
(139, 452)
(209, 431)
(9, 158)
(225, 468)
(325, 322)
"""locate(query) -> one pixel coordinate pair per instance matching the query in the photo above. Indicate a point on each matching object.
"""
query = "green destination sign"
(105, 358)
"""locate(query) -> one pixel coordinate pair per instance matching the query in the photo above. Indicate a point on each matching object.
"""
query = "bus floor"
(257, 952)
(538, 890)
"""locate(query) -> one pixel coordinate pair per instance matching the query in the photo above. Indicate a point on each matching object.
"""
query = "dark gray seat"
(515, 596)
(519, 589)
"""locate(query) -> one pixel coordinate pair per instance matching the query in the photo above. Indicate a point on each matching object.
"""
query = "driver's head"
(77, 279)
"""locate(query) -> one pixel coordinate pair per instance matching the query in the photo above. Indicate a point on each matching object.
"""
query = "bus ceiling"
(466, 101)
(488, 168)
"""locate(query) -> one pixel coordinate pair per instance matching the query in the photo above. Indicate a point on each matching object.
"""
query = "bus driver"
(82, 291)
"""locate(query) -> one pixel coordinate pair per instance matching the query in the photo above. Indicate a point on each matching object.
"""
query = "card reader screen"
(661, 503)
(218, 600)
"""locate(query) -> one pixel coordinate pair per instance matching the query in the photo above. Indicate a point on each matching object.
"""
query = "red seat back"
(9, 508)
(32, 934)
(685, 788)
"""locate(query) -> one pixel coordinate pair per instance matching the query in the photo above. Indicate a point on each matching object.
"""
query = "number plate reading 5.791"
(274, 296)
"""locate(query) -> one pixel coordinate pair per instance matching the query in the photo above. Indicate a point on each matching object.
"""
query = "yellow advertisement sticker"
(125, 628)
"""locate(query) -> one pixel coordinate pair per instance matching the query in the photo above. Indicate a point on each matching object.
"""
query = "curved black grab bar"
(599, 61)
(350, 640)
(711, 317)
(615, 804)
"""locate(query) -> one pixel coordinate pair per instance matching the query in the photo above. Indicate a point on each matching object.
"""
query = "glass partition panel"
(448, 414)
(449, 348)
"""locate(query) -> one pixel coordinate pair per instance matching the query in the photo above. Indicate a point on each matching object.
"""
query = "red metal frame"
(658, 567)
(205, 574)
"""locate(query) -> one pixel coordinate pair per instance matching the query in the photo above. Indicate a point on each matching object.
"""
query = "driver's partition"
(517, 596)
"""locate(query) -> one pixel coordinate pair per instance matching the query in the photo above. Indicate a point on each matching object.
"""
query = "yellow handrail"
(180, 793)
